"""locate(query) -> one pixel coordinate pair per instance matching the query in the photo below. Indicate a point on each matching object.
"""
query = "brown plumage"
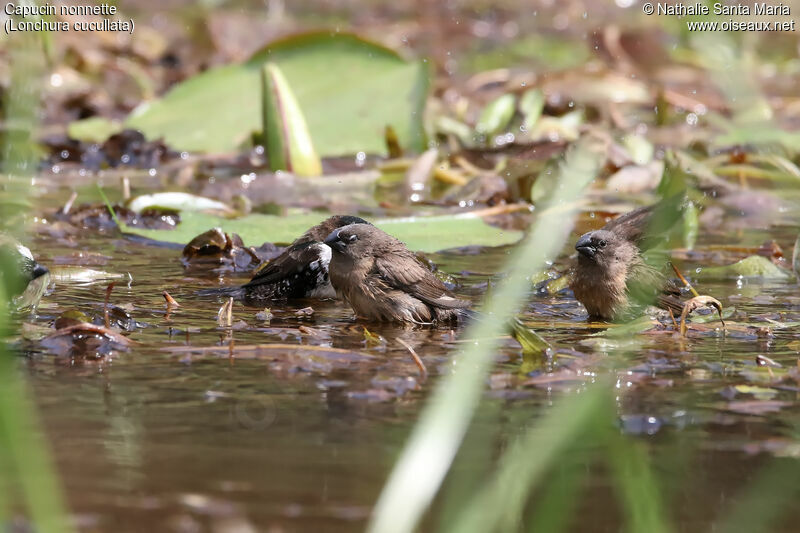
(382, 279)
(610, 275)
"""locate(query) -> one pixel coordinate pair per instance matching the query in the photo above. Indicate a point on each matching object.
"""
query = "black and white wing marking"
(300, 272)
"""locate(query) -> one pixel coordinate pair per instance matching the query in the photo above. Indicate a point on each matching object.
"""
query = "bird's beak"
(334, 242)
(584, 246)
(39, 271)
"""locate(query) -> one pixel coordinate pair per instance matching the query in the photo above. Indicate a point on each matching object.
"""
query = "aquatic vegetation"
(168, 403)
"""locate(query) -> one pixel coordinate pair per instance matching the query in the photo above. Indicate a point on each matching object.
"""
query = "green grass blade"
(437, 436)
(499, 506)
(21, 439)
(774, 489)
(639, 493)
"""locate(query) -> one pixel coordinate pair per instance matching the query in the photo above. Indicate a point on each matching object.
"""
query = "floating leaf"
(640, 149)
(94, 129)
(755, 266)
(373, 339)
(625, 331)
(341, 83)
(285, 133)
(531, 105)
(757, 407)
(564, 127)
(180, 201)
(425, 234)
(450, 126)
(531, 342)
(496, 115)
(599, 89)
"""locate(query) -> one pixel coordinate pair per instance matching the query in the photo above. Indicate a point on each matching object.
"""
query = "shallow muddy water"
(296, 425)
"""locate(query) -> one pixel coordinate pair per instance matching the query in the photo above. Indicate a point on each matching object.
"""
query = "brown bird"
(301, 271)
(383, 280)
(611, 278)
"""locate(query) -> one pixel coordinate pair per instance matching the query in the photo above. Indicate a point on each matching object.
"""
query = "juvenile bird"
(611, 275)
(383, 280)
(301, 271)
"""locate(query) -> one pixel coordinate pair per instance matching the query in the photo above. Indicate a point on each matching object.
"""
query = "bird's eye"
(602, 244)
(352, 238)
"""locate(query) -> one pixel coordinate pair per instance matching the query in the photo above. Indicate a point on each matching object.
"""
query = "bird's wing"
(646, 226)
(295, 260)
(410, 276)
(647, 285)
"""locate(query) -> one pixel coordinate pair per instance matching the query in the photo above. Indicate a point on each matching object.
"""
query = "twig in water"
(684, 280)
(422, 370)
(110, 288)
(225, 314)
(699, 301)
(68, 206)
(170, 300)
(672, 316)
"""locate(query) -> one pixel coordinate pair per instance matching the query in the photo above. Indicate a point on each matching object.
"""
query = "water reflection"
(182, 434)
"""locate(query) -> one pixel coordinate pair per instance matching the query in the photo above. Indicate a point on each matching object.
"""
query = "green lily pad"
(425, 234)
(755, 266)
(349, 90)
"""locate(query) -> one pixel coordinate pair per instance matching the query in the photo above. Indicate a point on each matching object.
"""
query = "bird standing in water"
(610, 275)
(383, 280)
(300, 271)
